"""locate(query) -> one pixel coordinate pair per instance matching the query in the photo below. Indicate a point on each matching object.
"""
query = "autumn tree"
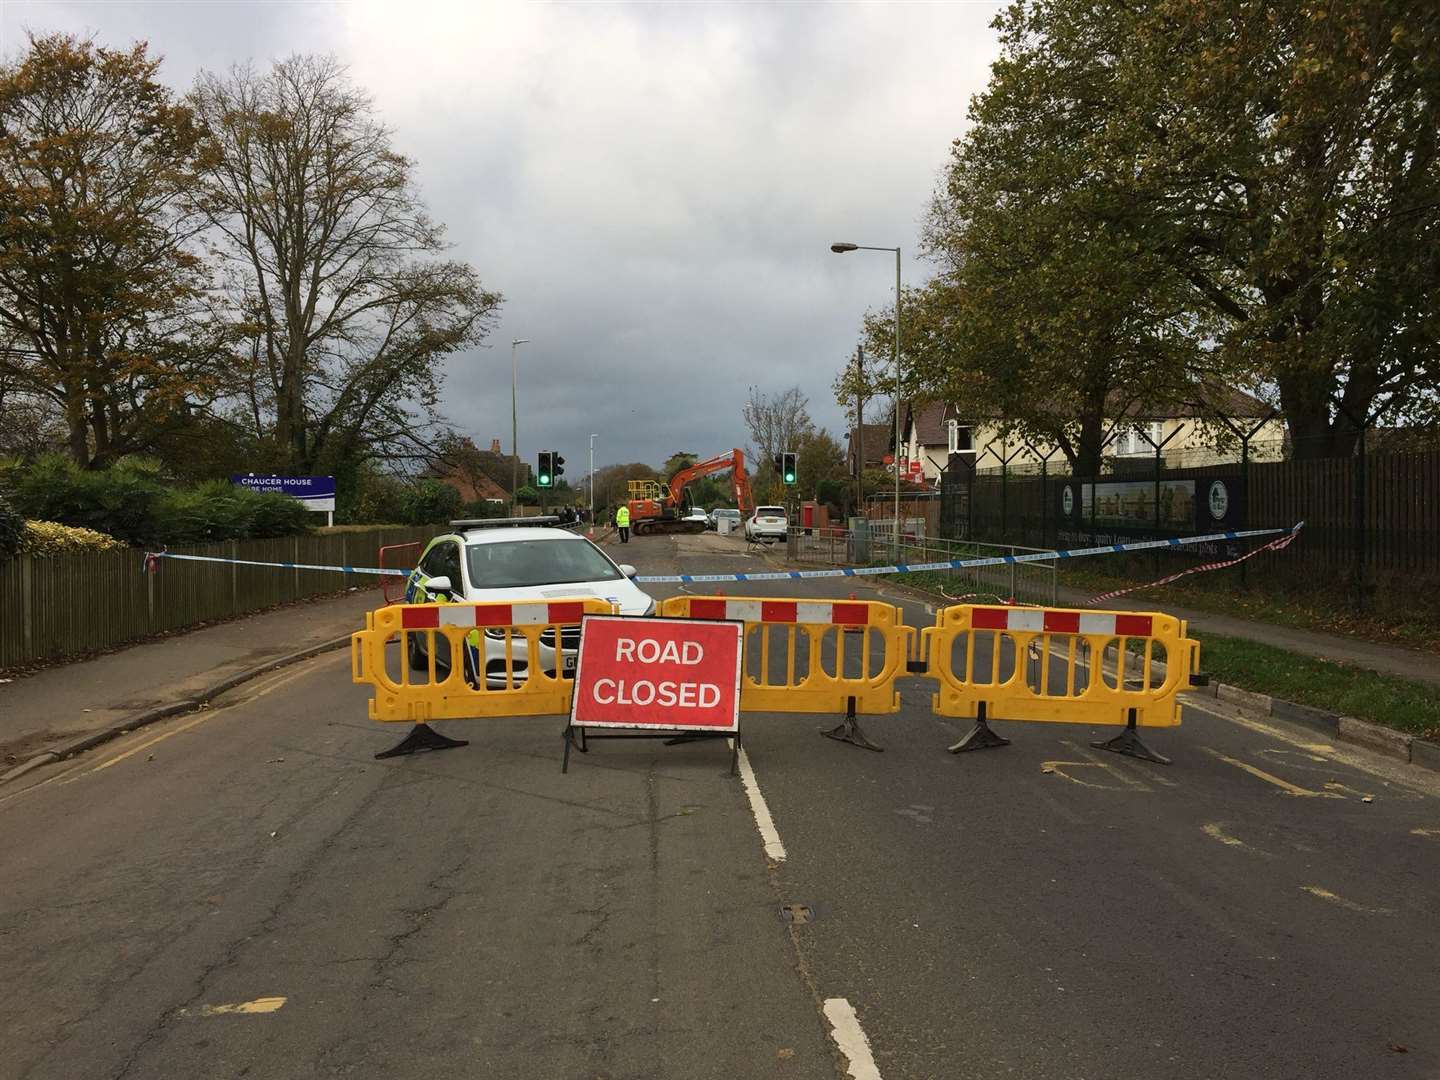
(820, 466)
(1207, 188)
(105, 308)
(776, 423)
(1286, 164)
(338, 270)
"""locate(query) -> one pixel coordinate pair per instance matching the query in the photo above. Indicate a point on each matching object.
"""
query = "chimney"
(495, 446)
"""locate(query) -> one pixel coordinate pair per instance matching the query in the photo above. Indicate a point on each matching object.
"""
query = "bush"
(373, 498)
(12, 530)
(49, 538)
(131, 502)
(429, 502)
(484, 508)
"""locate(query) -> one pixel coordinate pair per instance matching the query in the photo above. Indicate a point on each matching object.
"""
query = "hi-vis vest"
(622, 518)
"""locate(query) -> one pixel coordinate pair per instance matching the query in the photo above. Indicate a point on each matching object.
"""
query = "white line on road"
(845, 1030)
(774, 849)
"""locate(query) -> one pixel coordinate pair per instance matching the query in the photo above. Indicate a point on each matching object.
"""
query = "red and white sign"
(658, 673)
(915, 466)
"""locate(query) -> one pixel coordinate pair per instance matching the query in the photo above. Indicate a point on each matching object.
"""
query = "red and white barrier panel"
(1041, 620)
(781, 611)
(414, 617)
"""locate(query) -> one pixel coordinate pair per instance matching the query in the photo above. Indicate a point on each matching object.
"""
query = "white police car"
(510, 559)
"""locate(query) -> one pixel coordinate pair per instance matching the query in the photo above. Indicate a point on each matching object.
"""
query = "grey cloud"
(653, 188)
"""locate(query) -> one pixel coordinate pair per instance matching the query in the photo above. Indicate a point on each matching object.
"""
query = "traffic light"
(545, 476)
(557, 466)
(779, 462)
(787, 468)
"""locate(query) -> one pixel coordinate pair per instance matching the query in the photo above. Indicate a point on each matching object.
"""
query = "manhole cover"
(796, 913)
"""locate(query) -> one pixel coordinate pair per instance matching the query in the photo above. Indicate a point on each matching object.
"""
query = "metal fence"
(1033, 583)
(1371, 518)
(85, 602)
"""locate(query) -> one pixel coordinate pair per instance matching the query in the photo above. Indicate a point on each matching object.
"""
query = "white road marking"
(774, 849)
(845, 1030)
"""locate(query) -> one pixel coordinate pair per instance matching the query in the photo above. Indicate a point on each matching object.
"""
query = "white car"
(499, 561)
(767, 523)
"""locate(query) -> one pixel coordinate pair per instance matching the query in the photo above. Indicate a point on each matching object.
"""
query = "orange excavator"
(657, 508)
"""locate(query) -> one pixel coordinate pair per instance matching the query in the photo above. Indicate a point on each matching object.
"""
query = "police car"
(513, 559)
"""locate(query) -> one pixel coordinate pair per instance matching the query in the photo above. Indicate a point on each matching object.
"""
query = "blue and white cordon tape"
(799, 575)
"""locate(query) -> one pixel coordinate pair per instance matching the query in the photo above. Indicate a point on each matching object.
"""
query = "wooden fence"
(81, 603)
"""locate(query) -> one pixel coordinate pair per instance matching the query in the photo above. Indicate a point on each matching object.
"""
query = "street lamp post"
(841, 249)
(514, 427)
(592, 483)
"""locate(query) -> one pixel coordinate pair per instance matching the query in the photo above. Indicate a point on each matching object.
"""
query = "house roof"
(877, 442)
(929, 423)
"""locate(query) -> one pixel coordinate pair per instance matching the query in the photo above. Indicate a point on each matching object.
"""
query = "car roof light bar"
(467, 524)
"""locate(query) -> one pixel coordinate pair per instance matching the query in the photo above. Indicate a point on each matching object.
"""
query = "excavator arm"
(734, 461)
(656, 509)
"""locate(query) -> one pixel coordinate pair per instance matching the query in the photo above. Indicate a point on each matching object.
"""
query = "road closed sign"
(672, 674)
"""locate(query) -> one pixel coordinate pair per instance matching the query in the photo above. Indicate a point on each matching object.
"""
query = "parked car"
(767, 523)
(499, 560)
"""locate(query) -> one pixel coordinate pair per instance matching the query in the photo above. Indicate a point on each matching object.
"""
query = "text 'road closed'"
(661, 673)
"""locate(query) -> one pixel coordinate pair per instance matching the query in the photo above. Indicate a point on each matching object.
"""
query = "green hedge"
(134, 504)
(12, 529)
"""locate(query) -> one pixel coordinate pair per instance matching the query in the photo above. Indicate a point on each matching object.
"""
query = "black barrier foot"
(981, 736)
(421, 737)
(573, 736)
(849, 730)
(1128, 743)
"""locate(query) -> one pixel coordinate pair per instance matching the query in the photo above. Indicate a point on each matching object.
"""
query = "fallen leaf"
(1397, 1048)
(785, 1053)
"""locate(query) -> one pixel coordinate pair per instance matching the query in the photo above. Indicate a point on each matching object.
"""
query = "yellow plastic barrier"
(1061, 665)
(854, 671)
(466, 660)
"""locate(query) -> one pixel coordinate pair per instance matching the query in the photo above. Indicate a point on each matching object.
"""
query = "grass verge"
(1220, 592)
(1398, 703)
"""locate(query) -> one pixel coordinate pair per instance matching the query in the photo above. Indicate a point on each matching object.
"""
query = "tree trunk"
(1313, 434)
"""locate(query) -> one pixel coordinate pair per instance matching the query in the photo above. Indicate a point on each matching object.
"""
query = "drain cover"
(796, 913)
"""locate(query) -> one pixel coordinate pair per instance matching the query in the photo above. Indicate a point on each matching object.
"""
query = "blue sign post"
(315, 492)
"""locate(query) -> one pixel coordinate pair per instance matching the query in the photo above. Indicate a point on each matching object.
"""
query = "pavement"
(245, 891)
(67, 702)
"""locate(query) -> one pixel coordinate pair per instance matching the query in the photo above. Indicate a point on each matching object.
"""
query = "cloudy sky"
(653, 187)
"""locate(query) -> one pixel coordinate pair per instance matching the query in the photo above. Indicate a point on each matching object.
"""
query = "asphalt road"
(245, 892)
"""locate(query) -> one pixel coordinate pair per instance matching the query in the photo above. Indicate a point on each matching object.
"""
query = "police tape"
(1280, 543)
(971, 564)
(152, 558)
